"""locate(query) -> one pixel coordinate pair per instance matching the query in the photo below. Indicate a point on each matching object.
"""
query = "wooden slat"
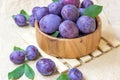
(62, 60)
(103, 46)
(111, 39)
(73, 62)
(31, 40)
(96, 53)
(86, 58)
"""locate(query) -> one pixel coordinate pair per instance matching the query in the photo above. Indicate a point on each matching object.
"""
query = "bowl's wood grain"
(69, 48)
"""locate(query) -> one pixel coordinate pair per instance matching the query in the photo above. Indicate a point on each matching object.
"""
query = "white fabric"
(106, 67)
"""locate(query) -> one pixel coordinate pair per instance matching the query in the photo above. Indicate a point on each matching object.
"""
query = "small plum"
(20, 20)
(46, 66)
(73, 2)
(41, 12)
(70, 12)
(68, 29)
(32, 52)
(75, 74)
(32, 20)
(86, 24)
(55, 8)
(86, 3)
(17, 57)
(50, 23)
(35, 9)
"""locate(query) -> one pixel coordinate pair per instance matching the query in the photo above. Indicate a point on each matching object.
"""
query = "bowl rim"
(62, 39)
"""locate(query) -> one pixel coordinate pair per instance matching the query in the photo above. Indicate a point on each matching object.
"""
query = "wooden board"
(61, 67)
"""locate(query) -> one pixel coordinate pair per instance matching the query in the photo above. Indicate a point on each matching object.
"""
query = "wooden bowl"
(69, 48)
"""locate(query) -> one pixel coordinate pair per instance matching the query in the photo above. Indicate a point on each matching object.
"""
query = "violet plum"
(17, 57)
(86, 3)
(55, 8)
(50, 23)
(70, 12)
(20, 20)
(41, 12)
(68, 29)
(86, 24)
(35, 9)
(32, 20)
(73, 2)
(75, 74)
(32, 52)
(46, 66)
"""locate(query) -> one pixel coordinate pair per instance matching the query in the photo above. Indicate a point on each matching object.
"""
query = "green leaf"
(93, 11)
(63, 76)
(55, 0)
(17, 73)
(23, 12)
(29, 72)
(13, 16)
(17, 48)
(55, 34)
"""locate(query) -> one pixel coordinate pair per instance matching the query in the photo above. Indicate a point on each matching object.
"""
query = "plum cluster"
(18, 56)
(45, 66)
(65, 16)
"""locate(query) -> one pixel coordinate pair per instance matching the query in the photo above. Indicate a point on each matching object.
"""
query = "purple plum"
(68, 29)
(32, 52)
(55, 8)
(75, 74)
(86, 24)
(50, 23)
(35, 9)
(46, 66)
(70, 12)
(20, 20)
(32, 20)
(86, 3)
(17, 57)
(41, 12)
(73, 2)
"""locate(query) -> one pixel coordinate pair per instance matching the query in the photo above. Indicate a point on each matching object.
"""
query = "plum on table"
(20, 20)
(46, 66)
(75, 74)
(17, 57)
(32, 52)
